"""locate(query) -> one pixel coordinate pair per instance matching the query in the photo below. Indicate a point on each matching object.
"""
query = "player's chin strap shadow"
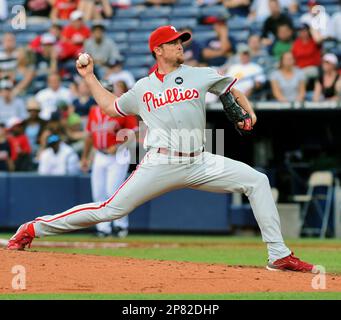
(235, 113)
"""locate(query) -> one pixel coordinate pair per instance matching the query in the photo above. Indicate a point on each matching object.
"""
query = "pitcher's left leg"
(219, 174)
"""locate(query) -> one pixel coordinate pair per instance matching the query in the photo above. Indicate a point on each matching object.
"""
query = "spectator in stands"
(96, 9)
(250, 75)
(77, 32)
(3, 10)
(288, 82)
(317, 19)
(217, 49)
(115, 72)
(307, 51)
(238, 7)
(291, 6)
(6, 163)
(62, 9)
(192, 50)
(49, 97)
(8, 56)
(84, 100)
(24, 72)
(258, 53)
(335, 25)
(58, 158)
(328, 84)
(285, 37)
(20, 145)
(276, 18)
(53, 126)
(101, 47)
(64, 50)
(10, 106)
(261, 9)
(75, 134)
(33, 125)
(38, 10)
(46, 61)
(120, 87)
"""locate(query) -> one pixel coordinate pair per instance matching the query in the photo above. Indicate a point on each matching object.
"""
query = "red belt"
(178, 154)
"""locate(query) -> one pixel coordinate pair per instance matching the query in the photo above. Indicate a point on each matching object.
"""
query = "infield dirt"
(48, 272)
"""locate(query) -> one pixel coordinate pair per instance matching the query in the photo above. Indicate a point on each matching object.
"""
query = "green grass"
(249, 251)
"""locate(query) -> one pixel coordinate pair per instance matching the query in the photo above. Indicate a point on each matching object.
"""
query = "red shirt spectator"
(306, 51)
(64, 8)
(77, 32)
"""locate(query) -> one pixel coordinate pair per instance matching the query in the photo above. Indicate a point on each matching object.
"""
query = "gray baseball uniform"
(173, 109)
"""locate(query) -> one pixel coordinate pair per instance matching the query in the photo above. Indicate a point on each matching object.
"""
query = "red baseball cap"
(166, 34)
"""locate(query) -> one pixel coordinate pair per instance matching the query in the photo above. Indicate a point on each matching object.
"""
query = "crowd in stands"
(44, 105)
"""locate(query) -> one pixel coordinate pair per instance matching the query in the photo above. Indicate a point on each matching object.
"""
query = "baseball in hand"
(83, 59)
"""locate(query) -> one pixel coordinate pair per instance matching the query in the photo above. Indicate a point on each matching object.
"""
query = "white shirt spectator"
(335, 26)
(247, 75)
(13, 109)
(320, 22)
(261, 9)
(64, 162)
(3, 10)
(48, 100)
(123, 75)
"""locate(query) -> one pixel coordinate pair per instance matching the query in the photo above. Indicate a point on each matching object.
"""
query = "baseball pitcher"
(171, 101)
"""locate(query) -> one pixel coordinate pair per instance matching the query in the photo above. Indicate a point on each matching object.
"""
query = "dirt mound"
(65, 273)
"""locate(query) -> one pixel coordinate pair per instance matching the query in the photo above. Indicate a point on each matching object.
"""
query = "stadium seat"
(183, 23)
(152, 24)
(185, 3)
(185, 12)
(137, 2)
(238, 23)
(204, 36)
(122, 46)
(139, 61)
(124, 24)
(139, 73)
(118, 36)
(139, 48)
(157, 12)
(217, 11)
(132, 12)
(240, 36)
(138, 36)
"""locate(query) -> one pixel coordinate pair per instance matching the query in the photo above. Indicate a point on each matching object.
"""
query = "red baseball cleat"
(291, 263)
(23, 237)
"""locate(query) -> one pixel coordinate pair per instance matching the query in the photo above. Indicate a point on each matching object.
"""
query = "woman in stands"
(328, 84)
(288, 82)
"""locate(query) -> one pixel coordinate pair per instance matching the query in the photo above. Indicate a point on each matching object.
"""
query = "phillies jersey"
(104, 128)
(173, 106)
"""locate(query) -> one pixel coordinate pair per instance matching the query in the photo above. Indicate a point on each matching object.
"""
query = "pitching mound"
(66, 273)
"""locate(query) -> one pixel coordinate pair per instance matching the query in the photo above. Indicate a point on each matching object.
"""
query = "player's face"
(173, 52)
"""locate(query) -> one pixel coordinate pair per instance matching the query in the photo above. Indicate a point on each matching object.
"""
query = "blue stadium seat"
(118, 36)
(240, 36)
(138, 36)
(203, 27)
(122, 46)
(137, 2)
(185, 3)
(139, 73)
(152, 24)
(132, 12)
(238, 23)
(204, 36)
(139, 48)
(185, 12)
(157, 12)
(24, 37)
(124, 24)
(139, 61)
(217, 10)
(183, 23)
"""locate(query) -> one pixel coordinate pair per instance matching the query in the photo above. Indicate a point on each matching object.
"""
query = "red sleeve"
(131, 122)
(12, 145)
(25, 145)
(35, 44)
(67, 32)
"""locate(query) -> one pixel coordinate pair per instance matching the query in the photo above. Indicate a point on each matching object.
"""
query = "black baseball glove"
(235, 113)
